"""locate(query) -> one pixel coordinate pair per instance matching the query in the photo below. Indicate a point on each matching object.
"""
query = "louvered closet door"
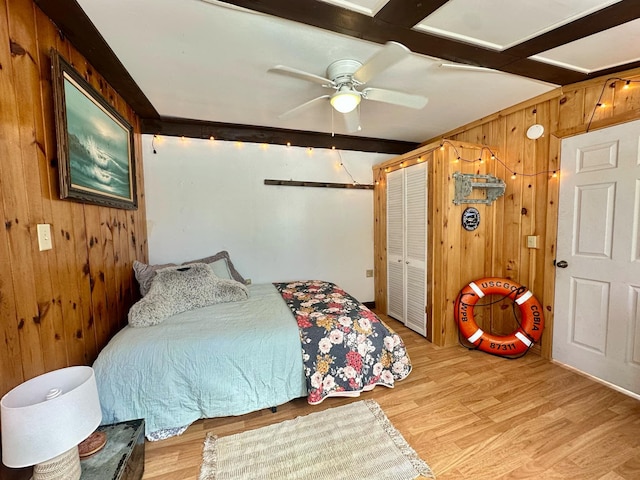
(416, 246)
(395, 245)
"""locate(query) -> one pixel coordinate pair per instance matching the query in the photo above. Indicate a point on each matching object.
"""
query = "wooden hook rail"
(296, 183)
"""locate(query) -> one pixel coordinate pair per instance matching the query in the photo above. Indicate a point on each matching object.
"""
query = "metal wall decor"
(470, 219)
(466, 182)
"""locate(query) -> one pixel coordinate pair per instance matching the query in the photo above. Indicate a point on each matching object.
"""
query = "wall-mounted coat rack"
(492, 186)
(296, 183)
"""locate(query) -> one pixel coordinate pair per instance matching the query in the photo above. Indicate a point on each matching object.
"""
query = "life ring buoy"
(531, 324)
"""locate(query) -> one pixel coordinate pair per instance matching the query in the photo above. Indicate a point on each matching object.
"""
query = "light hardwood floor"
(470, 415)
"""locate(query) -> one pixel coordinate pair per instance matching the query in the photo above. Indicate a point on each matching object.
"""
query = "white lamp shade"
(35, 429)
(345, 100)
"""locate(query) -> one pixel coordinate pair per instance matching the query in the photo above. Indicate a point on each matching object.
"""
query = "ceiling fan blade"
(295, 73)
(352, 120)
(389, 55)
(396, 98)
(303, 107)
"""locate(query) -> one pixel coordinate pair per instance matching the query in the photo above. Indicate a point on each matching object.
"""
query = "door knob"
(561, 264)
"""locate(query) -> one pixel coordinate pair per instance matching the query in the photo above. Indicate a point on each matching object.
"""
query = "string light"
(344, 167)
(480, 160)
(612, 81)
(419, 159)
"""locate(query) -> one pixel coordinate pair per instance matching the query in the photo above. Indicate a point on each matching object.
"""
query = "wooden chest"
(122, 458)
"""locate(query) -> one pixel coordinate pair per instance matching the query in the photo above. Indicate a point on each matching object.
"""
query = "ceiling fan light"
(345, 101)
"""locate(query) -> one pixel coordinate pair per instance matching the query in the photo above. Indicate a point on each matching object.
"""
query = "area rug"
(351, 442)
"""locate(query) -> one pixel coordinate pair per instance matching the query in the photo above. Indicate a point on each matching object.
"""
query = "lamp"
(45, 418)
(346, 99)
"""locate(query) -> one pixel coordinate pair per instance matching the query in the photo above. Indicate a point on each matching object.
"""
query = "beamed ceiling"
(200, 67)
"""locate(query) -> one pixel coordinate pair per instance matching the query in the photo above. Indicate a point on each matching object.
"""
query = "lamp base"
(65, 466)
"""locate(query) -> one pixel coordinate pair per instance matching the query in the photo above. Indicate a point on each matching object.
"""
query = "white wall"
(204, 196)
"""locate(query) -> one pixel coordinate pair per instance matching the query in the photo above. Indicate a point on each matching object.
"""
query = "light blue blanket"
(222, 360)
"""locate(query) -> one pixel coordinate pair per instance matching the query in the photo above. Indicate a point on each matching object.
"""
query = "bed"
(279, 342)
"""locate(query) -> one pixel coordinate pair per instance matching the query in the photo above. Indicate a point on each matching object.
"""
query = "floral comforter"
(346, 348)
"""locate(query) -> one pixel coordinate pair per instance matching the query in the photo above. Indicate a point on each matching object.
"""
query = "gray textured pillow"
(180, 288)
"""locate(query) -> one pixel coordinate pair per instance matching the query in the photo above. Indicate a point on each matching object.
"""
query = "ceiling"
(200, 67)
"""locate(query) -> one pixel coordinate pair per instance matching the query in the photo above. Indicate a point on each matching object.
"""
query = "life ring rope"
(522, 336)
(522, 298)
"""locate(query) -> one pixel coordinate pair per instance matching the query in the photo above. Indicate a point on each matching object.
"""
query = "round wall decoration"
(535, 131)
(470, 218)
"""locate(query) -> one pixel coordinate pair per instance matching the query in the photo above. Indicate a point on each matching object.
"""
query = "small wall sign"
(470, 219)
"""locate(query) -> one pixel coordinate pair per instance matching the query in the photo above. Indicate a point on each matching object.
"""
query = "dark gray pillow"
(146, 273)
(219, 256)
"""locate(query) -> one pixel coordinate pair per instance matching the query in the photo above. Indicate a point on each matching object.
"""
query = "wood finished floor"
(469, 415)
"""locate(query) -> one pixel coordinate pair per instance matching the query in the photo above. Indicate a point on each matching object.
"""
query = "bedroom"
(60, 307)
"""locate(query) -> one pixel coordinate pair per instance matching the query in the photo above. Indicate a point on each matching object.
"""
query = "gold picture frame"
(95, 146)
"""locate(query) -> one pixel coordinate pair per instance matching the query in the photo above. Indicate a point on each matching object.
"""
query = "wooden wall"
(58, 307)
(453, 254)
(529, 206)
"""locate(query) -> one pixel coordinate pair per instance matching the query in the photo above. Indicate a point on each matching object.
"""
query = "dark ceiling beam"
(348, 22)
(407, 13)
(544, 72)
(74, 24)
(178, 127)
(609, 17)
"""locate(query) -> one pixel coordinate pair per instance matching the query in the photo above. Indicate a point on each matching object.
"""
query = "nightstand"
(122, 458)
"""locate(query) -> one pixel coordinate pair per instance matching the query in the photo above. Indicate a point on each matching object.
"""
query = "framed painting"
(96, 161)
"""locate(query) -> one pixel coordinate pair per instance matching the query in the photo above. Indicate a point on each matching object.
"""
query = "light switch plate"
(44, 236)
(532, 241)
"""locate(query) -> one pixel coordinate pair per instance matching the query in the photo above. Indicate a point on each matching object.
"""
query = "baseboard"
(598, 380)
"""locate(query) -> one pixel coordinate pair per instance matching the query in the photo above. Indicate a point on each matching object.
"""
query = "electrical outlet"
(44, 237)
(369, 273)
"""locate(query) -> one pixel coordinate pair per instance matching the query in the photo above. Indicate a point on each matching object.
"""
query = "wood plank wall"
(453, 254)
(529, 206)
(58, 307)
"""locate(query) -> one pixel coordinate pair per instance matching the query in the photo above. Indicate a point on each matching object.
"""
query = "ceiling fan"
(347, 77)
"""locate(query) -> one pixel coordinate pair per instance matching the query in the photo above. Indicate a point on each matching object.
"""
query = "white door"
(416, 247)
(407, 246)
(597, 298)
(395, 245)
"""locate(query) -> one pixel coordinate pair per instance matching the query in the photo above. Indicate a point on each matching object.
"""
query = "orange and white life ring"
(531, 323)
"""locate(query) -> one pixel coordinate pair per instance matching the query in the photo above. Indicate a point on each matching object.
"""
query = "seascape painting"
(94, 143)
(98, 147)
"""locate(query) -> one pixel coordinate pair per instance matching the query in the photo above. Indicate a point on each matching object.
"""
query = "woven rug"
(351, 442)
